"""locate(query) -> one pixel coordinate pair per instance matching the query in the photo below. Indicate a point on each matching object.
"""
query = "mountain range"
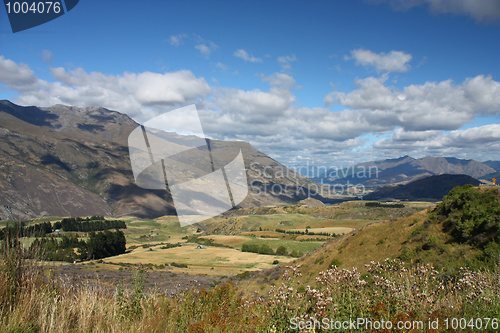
(71, 161)
(406, 169)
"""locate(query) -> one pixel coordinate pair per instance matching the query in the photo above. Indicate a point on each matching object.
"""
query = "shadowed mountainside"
(70, 161)
(432, 188)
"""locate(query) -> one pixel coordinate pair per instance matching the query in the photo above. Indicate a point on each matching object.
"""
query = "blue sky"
(325, 83)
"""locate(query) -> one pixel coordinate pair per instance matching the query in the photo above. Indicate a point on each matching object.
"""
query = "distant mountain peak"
(405, 169)
(399, 159)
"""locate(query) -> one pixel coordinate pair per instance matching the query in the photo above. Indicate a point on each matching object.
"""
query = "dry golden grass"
(312, 237)
(372, 242)
(211, 260)
(228, 240)
(375, 242)
(262, 233)
(60, 307)
(329, 230)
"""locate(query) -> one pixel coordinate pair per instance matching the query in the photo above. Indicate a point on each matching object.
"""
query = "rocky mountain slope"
(69, 161)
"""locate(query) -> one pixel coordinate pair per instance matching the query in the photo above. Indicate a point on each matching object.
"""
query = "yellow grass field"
(262, 233)
(312, 237)
(330, 230)
(210, 260)
(228, 240)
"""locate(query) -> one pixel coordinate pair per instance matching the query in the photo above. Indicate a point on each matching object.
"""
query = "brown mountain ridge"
(71, 161)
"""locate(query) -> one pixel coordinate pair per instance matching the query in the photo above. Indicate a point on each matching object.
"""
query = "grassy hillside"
(463, 230)
(353, 214)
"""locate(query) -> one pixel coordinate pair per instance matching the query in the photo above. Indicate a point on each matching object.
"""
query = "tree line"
(78, 224)
(99, 245)
(94, 223)
(379, 204)
(307, 232)
(21, 230)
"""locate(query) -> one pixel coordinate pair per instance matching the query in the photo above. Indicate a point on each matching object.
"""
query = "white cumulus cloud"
(242, 54)
(431, 106)
(206, 48)
(286, 61)
(394, 61)
(377, 119)
(17, 76)
(130, 93)
(480, 143)
(177, 40)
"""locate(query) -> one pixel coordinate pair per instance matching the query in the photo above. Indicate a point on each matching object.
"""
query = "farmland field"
(328, 230)
(209, 260)
(226, 235)
(150, 241)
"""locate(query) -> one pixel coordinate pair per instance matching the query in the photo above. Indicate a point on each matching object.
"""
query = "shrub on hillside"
(265, 249)
(470, 215)
(250, 248)
(281, 251)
